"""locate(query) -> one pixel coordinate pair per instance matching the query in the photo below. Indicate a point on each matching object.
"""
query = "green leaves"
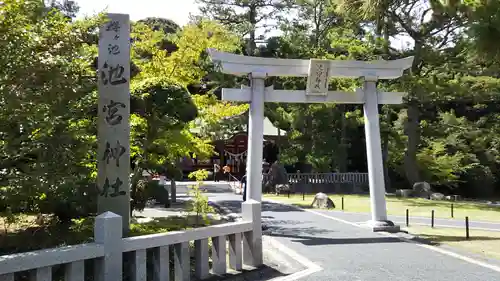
(163, 110)
(485, 27)
(47, 95)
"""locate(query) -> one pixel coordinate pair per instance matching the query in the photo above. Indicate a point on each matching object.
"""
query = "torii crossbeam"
(318, 73)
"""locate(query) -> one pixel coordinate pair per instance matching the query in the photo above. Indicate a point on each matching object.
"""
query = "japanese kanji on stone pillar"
(318, 73)
(113, 178)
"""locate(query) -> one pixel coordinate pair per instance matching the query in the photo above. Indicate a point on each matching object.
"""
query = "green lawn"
(482, 242)
(398, 206)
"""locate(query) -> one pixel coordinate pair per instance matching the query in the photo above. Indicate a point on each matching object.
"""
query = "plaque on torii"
(318, 73)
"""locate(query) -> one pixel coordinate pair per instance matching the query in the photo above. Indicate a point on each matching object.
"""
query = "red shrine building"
(232, 151)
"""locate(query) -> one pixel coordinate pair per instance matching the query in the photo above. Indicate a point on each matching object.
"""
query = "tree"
(376, 12)
(164, 110)
(323, 135)
(245, 17)
(315, 18)
(168, 27)
(48, 94)
(49, 97)
(68, 8)
(484, 27)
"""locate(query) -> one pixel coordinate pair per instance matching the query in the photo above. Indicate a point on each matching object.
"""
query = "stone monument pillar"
(113, 178)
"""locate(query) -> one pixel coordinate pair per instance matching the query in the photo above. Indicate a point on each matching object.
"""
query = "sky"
(176, 10)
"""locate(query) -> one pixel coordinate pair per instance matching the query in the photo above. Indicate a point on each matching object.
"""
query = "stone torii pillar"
(318, 73)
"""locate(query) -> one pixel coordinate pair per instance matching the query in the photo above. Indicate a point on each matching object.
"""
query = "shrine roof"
(269, 129)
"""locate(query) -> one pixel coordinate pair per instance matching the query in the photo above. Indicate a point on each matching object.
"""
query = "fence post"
(252, 240)
(432, 219)
(467, 228)
(108, 233)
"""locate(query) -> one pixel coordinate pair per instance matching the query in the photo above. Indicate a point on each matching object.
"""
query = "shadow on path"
(314, 241)
(235, 206)
(274, 228)
(215, 189)
(263, 272)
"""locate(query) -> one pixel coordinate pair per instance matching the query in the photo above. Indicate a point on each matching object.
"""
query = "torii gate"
(318, 73)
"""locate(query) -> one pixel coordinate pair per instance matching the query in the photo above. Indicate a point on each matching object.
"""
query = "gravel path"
(347, 252)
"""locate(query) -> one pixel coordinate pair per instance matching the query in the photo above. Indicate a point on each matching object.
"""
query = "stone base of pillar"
(252, 240)
(382, 226)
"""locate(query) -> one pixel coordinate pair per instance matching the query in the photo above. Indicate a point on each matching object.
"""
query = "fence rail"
(328, 177)
(107, 252)
(47, 258)
(328, 182)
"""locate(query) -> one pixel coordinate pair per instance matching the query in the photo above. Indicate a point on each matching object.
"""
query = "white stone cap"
(243, 65)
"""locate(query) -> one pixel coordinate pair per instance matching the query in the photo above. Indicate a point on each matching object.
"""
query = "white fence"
(106, 252)
(326, 178)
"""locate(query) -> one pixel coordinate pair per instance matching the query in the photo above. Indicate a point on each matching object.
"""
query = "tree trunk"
(385, 137)
(413, 134)
(342, 155)
(173, 191)
(385, 157)
(412, 126)
(252, 46)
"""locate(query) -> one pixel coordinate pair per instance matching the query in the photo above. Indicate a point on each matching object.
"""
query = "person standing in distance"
(243, 186)
(216, 172)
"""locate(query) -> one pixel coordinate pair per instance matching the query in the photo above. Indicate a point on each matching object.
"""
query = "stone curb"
(225, 212)
(236, 190)
(234, 217)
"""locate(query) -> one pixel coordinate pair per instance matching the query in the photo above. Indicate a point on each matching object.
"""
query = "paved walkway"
(346, 252)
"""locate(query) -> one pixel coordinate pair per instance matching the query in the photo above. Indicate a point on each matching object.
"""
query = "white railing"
(106, 252)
